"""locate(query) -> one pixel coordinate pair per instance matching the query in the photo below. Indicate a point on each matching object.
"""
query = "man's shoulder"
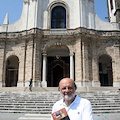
(83, 100)
(58, 105)
(58, 102)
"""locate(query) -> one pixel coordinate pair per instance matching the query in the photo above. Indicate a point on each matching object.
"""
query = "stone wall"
(86, 45)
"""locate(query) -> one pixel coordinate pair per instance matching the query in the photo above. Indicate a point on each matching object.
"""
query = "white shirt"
(80, 109)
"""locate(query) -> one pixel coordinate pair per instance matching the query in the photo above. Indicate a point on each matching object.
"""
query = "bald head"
(67, 81)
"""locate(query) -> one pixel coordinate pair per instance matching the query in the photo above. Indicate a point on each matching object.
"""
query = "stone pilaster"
(95, 73)
(37, 64)
(95, 67)
(86, 67)
(78, 63)
(2, 65)
(22, 65)
(116, 66)
(29, 62)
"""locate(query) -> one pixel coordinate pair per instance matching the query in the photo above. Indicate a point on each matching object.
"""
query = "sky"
(14, 9)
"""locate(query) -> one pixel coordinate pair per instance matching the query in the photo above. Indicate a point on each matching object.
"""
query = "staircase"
(37, 105)
(104, 101)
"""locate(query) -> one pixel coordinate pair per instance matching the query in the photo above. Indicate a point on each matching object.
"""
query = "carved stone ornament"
(26, 1)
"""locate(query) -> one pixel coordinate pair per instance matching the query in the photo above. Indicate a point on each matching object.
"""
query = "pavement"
(15, 116)
(11, 116)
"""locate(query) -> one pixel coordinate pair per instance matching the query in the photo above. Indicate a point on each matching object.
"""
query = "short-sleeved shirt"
(80, 109)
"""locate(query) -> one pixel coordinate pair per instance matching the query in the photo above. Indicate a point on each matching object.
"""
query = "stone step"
(106, 108)
(42, 102)
(35, 117)
(51, 99)
(46, 111)
(49, 105)
(24, 111)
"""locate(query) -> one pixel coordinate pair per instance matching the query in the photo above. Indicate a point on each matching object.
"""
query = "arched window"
(111, 4)
(58, 17)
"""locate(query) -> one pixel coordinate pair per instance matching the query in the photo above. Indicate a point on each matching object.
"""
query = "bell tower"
(114, 10)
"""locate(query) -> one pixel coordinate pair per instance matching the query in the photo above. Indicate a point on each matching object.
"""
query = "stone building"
(61, 38)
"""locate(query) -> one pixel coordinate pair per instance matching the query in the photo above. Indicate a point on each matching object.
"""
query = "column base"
(44, 83)
(78, 84)
(36, 84)
(87, 84)
(116, 84)
(0, 84)
(20, 84)
(95, 84)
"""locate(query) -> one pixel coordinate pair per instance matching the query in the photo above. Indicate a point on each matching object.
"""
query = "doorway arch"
(12, 65)
(105, 70)
(58, 61)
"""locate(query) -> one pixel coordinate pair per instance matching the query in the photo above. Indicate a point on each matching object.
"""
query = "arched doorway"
(105, 70)
(12, 65)
(58, 61)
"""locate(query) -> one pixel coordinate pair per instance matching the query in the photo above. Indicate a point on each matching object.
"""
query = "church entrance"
(105, 71)
(57, 69)
(11, 71)
(58, 64)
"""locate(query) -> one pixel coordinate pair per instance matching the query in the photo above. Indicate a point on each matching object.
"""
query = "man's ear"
(75, 86)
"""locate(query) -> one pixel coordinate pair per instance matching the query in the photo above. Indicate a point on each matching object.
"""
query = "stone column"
(44, 74)
(71, 66)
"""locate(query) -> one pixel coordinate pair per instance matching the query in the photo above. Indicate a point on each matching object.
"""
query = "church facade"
(61, 38)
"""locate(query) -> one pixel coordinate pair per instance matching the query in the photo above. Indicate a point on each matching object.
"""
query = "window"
(58, 17)
(111, 3)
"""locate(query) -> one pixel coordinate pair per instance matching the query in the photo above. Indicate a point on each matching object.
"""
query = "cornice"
(62, 34)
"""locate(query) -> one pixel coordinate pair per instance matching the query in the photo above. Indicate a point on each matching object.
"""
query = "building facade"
(61, 38)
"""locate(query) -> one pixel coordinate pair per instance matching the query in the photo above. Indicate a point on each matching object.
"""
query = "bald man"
(77, 108)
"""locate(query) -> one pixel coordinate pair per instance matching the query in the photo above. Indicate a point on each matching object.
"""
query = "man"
(77, 108)
(30, 84)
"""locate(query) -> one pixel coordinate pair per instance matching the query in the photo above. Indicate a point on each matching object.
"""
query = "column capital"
(26, 1)
(71, 54)
(44, 54)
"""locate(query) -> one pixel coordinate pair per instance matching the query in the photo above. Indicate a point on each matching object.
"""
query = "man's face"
(67, 89)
